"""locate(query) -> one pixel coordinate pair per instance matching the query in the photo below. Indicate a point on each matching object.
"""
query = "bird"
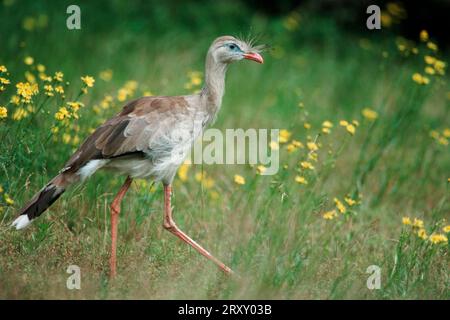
(148, 139)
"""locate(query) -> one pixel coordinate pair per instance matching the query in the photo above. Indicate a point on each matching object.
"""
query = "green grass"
(270, 230)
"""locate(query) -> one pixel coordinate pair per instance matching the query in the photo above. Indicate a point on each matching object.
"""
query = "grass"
(271, 230)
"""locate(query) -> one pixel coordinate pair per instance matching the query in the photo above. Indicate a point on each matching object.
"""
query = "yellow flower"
(432, 46)
(312, 146)
(306, 165)
(343, 123)
(418, 78)
(430, 70)
(422, 234)
(62, 114)
(301, 180)
(284, 136)
(339, 205)
(307, 125)
(183, 172)
(88, 81)
(66, 138)
(106, 75)
(75, 105)
(260, 169)
(355, 123)
(351, 129)
(19, 114)
(15, 100)
(28, 61)
(446, 229)
(369, 114)
(8, 199)
(330, 215)
(1, 189)
(443, 141)
(3, 112)
(58, 76)
(406, 221)
(59, 89)
(3, 69)
(326, 130)
(418, 223)
(26, 91)
(239, 179)
(438, 238)
(4, 81)
(424, 36)
(327, 124)
(40, 68)
(350, 201)
(429, 59)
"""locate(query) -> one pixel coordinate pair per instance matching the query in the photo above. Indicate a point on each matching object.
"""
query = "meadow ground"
(364, 154)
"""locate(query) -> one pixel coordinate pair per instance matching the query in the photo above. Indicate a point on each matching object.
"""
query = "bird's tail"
(42, 200)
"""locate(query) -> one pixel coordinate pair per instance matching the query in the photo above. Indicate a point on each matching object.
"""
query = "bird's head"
(228, 49)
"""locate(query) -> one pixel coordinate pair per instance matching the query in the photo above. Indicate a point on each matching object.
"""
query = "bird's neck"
(214, 86)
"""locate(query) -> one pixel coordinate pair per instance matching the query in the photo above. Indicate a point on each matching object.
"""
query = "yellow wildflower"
(40, 67)
(422, 234)
(4, 81)
(1, 188)
(58, 76)
(8, 199)
(88, 81)
(432, 46)
(15, 100)
(28, 61)
(284, 136)
(330, 215)
(306, 165)
(260, 169)
(312, 146)
(239, 179)
(19, 114)
(418, 223)
(106, 75)
(183, 172)
(350, 201)
(406, 221)
(3, 69)
(327, 124)
(62, 114)
(59, 89)
(420, 79)
(446, 229)
(326, 130)
(339, 205)
(351, 129)
(424, 36)
(369, 114)
(307, 125)
(3, 112)
(26, 91)
(438, 238)
(343, 123)
(430, 70)
(429, 59)
(301, 180)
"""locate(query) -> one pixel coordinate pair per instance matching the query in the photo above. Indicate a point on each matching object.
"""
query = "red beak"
(254, 56)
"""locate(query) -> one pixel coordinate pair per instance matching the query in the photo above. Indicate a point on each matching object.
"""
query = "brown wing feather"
(131, 130)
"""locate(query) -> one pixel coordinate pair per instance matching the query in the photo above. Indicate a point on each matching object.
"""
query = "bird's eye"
(232, 46)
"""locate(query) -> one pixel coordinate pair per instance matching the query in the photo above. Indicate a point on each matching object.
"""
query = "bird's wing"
(139, 125)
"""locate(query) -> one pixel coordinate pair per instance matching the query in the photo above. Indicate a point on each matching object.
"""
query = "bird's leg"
(170, 225)
(115, 210)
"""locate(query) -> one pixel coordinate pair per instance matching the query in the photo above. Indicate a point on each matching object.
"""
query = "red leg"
(115, 210)
(170, 225)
